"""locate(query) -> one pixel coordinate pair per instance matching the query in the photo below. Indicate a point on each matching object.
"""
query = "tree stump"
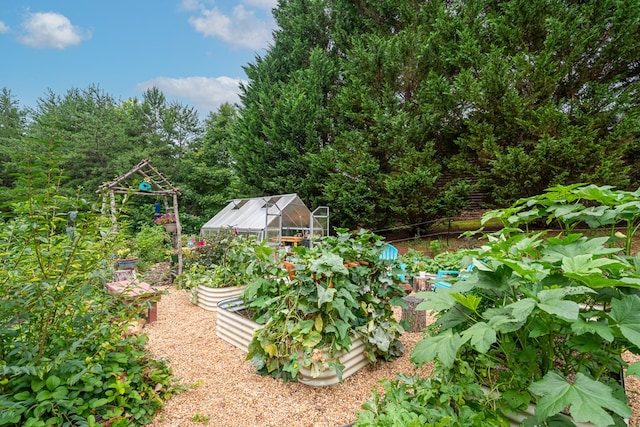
(421, 284)
(417, 319)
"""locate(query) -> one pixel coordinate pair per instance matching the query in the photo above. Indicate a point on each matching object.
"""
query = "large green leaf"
(583, 246)
(481, 335)
(328, 264)
(587, 399)
(469, 301)
(521, 309)
(551, 301)
(443, 347)
(585, 264)
(325, 294)
(626, 313)
(581, 327)
(380, 339)
(597, 281)
(437, 301)
(312, 339)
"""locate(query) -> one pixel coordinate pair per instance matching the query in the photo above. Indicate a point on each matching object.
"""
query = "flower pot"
(126, 264)
(238, 331)
(171, 227)
(208, 298)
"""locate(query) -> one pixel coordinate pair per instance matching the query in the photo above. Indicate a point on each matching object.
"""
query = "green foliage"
(577, 205)
(213, 252)
(543, 318)
(395, 111)
(238, 260)
(416, 261)
(65, 355)
(417, 402)
(152, 243)
(341, 291)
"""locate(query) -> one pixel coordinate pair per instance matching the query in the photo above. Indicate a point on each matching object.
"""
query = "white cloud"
(4, 28)
(51, 30)
(241, 28)
(264, 4)
(204, 93)
(190, 5)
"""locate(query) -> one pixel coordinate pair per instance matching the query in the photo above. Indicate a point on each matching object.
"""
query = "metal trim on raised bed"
(238, 331)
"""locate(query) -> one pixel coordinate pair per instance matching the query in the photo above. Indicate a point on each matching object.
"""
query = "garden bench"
(132, 291)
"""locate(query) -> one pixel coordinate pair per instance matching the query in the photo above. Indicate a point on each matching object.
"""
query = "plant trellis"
(153, 184)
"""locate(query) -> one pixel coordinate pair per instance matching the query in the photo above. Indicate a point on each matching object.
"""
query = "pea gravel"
(223, 389)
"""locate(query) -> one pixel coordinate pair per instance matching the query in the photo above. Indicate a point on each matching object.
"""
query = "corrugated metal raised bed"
(238, 330)
(232, 327)
(208, 298)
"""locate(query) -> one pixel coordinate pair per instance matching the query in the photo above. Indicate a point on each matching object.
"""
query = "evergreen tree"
(284, 122)
(207, 178)
(12, 125)
(393, 108)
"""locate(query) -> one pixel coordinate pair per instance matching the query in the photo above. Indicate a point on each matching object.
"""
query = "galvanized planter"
(238, 331)
(208, 298)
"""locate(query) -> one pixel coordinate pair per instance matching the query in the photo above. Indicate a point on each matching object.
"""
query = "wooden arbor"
(154, 184)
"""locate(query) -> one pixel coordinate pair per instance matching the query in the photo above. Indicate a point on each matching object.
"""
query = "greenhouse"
(282, 219)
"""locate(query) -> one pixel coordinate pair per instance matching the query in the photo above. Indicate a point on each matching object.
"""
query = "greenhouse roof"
(258, 213)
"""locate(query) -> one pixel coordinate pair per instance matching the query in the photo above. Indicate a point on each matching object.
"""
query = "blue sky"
(192, 50)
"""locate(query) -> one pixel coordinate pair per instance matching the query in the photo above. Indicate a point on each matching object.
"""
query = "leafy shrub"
(65, 355)
(541, 319)
(341, 290)
(416, 261)
(216, 246)
(152, 243)
(417, 402)
(241, 259)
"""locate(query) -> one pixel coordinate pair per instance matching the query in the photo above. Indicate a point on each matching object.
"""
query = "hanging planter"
(168, 221)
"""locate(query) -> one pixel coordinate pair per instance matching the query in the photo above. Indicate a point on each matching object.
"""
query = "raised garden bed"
(234, 327)
(208, 298)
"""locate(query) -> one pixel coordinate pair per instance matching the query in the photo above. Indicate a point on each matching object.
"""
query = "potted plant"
(124, 260)
(168, 221)
(542, 322)
(339, 299)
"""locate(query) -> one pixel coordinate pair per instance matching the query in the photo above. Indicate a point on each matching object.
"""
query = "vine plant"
(341, 291)
(66, 358)
(542, 319)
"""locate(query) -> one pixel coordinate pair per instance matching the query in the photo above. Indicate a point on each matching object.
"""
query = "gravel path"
(223, 388)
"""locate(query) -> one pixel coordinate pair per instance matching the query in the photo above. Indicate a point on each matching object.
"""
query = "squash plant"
(544, 319)
(240, 258)
(341, 291)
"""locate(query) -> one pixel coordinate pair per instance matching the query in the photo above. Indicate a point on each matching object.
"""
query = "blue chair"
(389, 254)
(442, 284)
(442, 273)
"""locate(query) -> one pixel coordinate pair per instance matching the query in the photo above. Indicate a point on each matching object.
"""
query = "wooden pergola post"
(160, 186)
